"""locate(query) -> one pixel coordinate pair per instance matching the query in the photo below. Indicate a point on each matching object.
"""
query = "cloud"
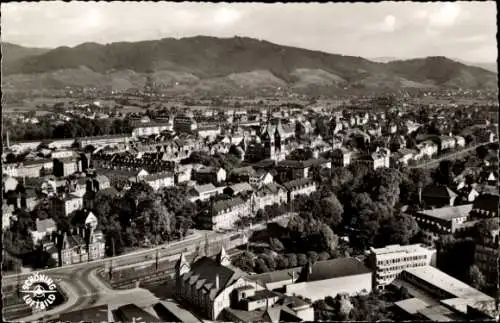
(389, 23)
(391, 29)
(226, 16)
(445, 16)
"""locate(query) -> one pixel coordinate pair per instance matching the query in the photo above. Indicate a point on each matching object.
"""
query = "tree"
(343, 306)
(443, 175)
(260, 266)
(292, 260)
(323, 256)
(282, 262)
(482, 152)
(275, 244)
(398, 229)
(301, 259)
(245, 261)
(312, 256)
(328, 239)
(476, 277)
(330, 210)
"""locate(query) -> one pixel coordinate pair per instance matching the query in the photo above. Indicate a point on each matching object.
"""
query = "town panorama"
(202, 162)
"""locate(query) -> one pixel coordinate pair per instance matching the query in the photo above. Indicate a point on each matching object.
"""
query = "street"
(84, 289)
(433, 163)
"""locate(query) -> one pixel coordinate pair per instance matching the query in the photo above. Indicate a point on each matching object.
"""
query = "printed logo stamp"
(40, 291)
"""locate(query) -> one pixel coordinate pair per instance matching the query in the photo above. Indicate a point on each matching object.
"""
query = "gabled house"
(212, 175)
(268, 195)
(436, 196)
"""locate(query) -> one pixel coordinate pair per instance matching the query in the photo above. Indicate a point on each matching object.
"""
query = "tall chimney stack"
(217, 285)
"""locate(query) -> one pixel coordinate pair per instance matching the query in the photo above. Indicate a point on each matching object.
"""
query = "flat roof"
(93, 314)
(438, 313)
(448, 213)
(412, 305)
(447, 283)
(171, 311)
(399, 249)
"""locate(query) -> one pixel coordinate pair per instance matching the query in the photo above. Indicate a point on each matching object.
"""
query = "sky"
(463, 30)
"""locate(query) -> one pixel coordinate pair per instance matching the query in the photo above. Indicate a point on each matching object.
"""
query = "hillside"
(228, 65)
(12, 52)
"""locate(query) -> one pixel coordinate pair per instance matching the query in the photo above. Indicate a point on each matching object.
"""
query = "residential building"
(460, 141)
(292, 169)
(98, 141)
(44, 228)
(212, 175)
(159, 180)
(209, 131)
(485, 206)
(330, 278)
(442, 221)
(65, 205)
(341, 157)
(64, 153)
(268, 195)
(66, 166)
(378, 159)
(210, 286)
(261, 177)
(224, 214)
(28, 168)
(204, 192)
(446, 142)
(486, 256)
(387, 263)
(243, 174)
(150, 129)
(427, 148)
(296, 187)
(73, 250)
(238, 188)
(436, 196)
(185, 123)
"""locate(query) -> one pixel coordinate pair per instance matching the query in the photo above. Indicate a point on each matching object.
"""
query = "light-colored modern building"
(387, 263)
(438, 291)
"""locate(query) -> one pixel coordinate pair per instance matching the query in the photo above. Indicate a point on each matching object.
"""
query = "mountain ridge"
(236, 62)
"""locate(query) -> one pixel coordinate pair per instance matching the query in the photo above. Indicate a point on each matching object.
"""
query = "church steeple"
(182, 266)
(223, 258)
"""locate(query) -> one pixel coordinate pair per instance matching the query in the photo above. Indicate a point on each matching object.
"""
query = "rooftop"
(227, 204)
(298, 182)
(447, 283)
(412, 305)
(93, 314)
(448, 213)
(399, 249)
(334, 268)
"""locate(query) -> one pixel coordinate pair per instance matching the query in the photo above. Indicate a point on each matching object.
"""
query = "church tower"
(222, 258)
(182, 266)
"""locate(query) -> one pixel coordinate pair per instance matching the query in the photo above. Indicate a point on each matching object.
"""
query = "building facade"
(387, 263)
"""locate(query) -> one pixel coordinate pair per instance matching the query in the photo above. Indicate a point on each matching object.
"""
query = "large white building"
(388, 262)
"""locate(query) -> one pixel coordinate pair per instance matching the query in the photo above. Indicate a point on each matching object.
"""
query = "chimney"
(217, 281)
(7, 140)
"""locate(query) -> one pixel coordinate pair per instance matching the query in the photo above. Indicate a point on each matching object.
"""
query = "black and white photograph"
(250, 162)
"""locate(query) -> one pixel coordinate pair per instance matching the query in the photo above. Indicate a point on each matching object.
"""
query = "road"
(84, 289)
(435, 162)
